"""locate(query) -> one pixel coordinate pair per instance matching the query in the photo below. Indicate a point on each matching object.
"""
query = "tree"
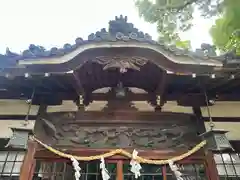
(174, 16)
(183, 44)
(226, 30)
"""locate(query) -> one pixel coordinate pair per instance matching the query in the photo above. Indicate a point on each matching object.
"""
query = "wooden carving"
(100, 133)
(124, 137)
(121, 62)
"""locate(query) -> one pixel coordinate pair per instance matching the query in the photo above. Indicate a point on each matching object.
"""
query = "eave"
(89, 53)
(120, 35)
(182, 58)
(65, 73)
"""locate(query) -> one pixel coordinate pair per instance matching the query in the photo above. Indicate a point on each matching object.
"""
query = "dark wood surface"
(48, 125)
(90, 55)
(34, 117)
(42, 153)
(118, 128)
(211, 166)
(89, 75)
(28, 166)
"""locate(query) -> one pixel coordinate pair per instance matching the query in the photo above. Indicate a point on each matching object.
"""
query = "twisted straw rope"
(122, 152)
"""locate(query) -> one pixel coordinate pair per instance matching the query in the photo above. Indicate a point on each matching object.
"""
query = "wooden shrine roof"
(120, 54)
(185, 89)
(120, 35)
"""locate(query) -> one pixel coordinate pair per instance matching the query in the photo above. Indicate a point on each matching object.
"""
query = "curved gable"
(120, 34)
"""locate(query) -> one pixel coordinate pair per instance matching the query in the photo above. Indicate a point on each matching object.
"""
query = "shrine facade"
(109, 94)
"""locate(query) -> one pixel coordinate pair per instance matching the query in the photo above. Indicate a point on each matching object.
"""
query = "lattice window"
(148, 172)
(10, 164)
(189, 172)
(90, 171)
(228, 165)
(64, 171)
(155, 172)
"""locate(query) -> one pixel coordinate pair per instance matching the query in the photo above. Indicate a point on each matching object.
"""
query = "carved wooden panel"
(123, 136)
(121, 62)
(140, 134)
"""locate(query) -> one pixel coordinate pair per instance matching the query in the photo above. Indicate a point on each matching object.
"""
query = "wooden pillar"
(211, 166)
(28, 165)
(164, 172)
(119, 170)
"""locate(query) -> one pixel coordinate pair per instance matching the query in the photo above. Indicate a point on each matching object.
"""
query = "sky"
(52, 23)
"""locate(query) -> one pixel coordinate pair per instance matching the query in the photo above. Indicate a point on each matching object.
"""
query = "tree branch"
(186, 4)
(179, 8)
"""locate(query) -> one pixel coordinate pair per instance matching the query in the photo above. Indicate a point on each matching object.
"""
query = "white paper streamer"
(175, 170)
(135, 166)
(105, 174)
(76, 167)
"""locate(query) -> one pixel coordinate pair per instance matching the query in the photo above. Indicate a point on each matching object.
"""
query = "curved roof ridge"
(119, 30)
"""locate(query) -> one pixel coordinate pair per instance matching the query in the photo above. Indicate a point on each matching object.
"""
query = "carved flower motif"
(121, 62)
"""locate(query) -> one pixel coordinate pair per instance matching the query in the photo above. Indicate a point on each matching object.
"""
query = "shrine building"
(121, 105)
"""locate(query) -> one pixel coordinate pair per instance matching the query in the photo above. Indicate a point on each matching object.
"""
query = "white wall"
(20, 107)
(232, 127)
(6, 125)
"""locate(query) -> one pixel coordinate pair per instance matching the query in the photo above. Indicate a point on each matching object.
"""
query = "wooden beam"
(213, 87)
(160, 90)
(228, 97)
(234, 86)
(55, 80)
(199, 118)
(193, 100)
(42, 153)
(224, 82)
(205, 119)
(183, 99)
(47, 99)
(162, 83)
(42, 85)
(78, 86)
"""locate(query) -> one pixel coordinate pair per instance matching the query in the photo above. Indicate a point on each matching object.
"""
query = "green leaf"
(224, 32)
(183, 44)
(175, 16)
